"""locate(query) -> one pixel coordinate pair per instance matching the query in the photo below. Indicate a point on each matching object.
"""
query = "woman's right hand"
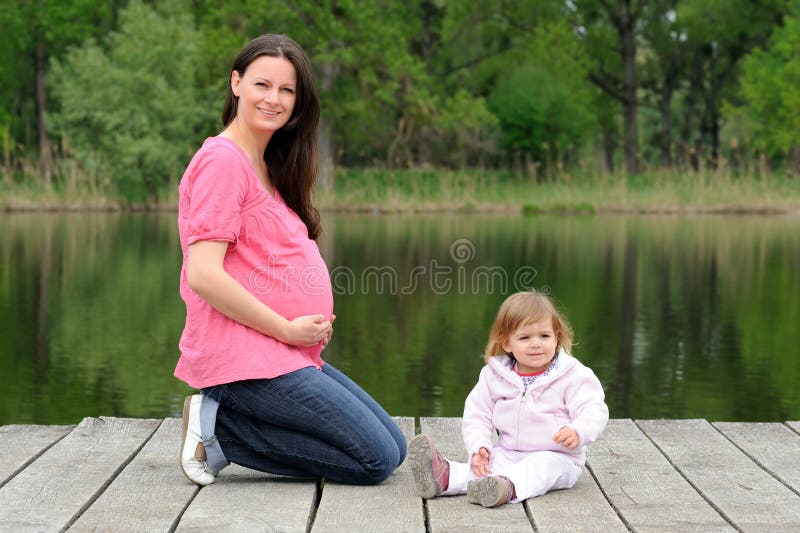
(306, 330)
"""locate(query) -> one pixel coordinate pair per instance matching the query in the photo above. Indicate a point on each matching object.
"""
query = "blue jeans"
(308, 423)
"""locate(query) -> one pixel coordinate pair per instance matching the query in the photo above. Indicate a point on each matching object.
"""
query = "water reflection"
(679, 317)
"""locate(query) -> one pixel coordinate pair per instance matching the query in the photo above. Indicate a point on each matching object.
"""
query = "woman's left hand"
(329, 334)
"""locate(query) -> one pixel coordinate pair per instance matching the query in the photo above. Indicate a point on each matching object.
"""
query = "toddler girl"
(545, 406)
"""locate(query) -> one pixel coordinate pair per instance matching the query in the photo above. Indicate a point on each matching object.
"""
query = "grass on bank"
(472, 190)
(497, 191)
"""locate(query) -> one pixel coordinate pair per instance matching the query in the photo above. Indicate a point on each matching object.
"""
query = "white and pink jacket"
(569, 395)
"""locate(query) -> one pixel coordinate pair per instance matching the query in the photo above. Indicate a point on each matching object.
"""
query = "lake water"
(680, 317)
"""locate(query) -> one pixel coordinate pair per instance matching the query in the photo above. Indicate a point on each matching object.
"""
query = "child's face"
(533, 346)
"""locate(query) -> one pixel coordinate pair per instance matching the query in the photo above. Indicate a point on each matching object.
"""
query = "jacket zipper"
(519, 414)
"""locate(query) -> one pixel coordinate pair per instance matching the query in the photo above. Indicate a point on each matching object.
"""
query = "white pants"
(533, 473)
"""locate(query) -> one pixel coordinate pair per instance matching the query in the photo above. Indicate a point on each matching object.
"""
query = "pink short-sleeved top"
(270, 254)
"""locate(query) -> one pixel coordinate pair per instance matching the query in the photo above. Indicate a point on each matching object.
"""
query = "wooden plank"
(455, 513)
(242, 499)
(55, 488)
(746, 495)
(150, 494)
(649, 493)
(580, 508)
(390, 506)
(772, 445)
(21, 444)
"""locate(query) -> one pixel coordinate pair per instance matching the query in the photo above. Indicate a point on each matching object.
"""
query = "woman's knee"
(384, 460)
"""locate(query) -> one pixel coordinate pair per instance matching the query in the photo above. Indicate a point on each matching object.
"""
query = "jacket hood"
(501, 365)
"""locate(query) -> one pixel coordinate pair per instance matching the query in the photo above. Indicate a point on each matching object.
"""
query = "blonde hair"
(521, 309)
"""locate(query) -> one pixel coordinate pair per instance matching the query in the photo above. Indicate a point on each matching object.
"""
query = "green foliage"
(719, 34)
(544, 104)
(430, 84)
(464, 123)
(52, 24)
(11, 71)
(771, 88)
(530, 210)
(133, 104)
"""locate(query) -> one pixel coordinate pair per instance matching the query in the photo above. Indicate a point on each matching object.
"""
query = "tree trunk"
(630, 138)
(326, 180)
(45, 150)
(695, 83)
(609, 147)
(626, 28)
(714, 104)
(665, 107)
(714, 136)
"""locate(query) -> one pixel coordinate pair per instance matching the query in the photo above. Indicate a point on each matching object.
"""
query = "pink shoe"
(490, 491)
(431, 471)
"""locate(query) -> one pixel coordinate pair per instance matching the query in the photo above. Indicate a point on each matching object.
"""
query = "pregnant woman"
(259, 303)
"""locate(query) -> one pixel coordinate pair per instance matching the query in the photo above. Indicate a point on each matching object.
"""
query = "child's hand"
(480, 463)
(567, 437)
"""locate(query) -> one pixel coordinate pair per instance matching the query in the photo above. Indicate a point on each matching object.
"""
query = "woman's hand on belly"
(307, 330)
(327, 338)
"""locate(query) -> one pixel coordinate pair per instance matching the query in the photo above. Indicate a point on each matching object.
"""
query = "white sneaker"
(193, 455)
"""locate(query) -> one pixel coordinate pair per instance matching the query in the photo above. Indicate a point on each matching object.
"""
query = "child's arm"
(585, 401)
(476, 425)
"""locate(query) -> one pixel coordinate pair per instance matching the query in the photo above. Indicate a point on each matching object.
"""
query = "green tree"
(719, 34)
(771, 90)
(132, 106)
(664, 69)
(545, 104)
(359, 50)
(610, 30)
(523, 58)
(34, 32)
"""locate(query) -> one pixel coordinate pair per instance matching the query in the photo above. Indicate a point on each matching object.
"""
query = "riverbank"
(474, 191)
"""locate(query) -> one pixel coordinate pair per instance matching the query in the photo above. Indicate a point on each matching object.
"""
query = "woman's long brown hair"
(291, 155)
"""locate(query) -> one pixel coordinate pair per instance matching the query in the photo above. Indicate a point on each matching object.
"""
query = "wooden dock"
(115, 474)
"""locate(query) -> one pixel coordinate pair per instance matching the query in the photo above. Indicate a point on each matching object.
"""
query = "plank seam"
(178, 518)
(99, 492)
(312, 512)
(529, 514)
(689, 481)
(426, 517)
(41, 452)
(791, 428)
(605, 495)
(763, 467)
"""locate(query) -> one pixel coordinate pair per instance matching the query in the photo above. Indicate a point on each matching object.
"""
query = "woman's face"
(267, 92)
